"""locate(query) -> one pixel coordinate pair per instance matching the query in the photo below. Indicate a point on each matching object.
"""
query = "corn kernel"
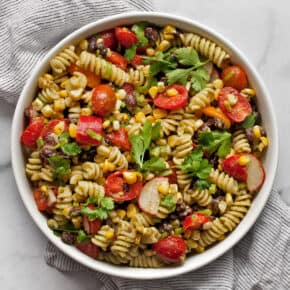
(151, 119)
(101, 180)
(108, 166)
(66, 212)
(138, 239)
(164, 45)
(130, 177)
(232, 99)
(140, 117)
(86, 111)
(229, 199)
(161, 87)
(163, 187)
(43, 188)
(86, 147)
(265, 141)
(125, 117)
(173, 189)
(77, 222)
(83, 44)
(128, 156)
(48, 77)
(257, 131)
(63, 93)
(153, 91)
(59, 128)
(248, 92)
(216, 94)
(168, 36)
(243, 160)
(159, 113)
(171, 92)
(172, 140)
(200, 249)
(169, 29)
(121, 213)
(72, 130)
(218, 84)
(228, 106)
(161, 142)
(212, 189)
(131, 210)
(59, 105)
(150, 51)
(47, 111)
(109, 235)
(106, 124)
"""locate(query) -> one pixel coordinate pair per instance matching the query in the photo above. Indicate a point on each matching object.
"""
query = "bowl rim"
(121, 271)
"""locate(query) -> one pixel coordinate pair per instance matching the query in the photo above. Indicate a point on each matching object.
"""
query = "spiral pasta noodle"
(201, 197)
(142, 261)
(200, 100)
(33, 166)
(104, 237)
(86, 189)
(114, 156)
(91, 170)
(240, 142)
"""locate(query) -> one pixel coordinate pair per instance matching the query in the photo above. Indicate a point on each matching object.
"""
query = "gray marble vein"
(259, 28)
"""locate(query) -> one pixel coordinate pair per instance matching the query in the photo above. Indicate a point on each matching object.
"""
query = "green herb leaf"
(82, 236)
(146, 134)
(187, 56)
(60, 166)
(130, 52)
(138, 28)
(202, 184)
(97, 213)
(63, 138)
(215, 141)
(155, 134)
(154, 164)
(91, 200)
(199, 78)
(39, 142)
(169, 202)
(107, 203)
(249, 121)
(137, 148)
(94, 135)
(197, 166)
(71, 149)
(179, 75)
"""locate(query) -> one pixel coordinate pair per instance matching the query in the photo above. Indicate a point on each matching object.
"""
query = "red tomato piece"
(89, 249)
(232, 167)
(120, 138)
(170, 249)
(235, 77)
(125, 36)
(137, 60)
(194, 221)
(103, 100)
(41, 199)
(91, 227)
(88, 126)
(240, 110)
(49, 127)
(92, 78)
(109, 39)
(120, 191)
(162, 100)
(117, 59)
(32, 132)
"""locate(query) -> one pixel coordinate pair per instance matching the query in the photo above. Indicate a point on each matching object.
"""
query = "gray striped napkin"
(29, 28)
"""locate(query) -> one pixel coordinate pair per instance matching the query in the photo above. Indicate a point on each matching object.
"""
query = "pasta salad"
(143, 145)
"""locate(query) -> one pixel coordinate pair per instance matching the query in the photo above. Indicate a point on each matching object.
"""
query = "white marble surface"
(259, 28)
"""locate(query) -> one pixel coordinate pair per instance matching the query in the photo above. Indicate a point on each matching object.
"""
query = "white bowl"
(270, 160)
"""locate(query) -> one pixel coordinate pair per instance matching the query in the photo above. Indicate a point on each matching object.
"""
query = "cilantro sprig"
(169, 202)
(249, 121)
(60, 167)
(215, 141)
(138, 29)
(197, 166)
(141, 143)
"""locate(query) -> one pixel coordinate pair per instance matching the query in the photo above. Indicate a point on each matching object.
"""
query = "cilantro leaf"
(107, 203)
(137, 149)
(146, 134)
(39, 142)
(197, 166)
(169, 202)
(130, 52)
(202, 184)
(63, 138)
(154, 164)
(138, 28)
(212, 141)
(155, 134)
(187, 56)
(94, 135)
(82, 237)
(249, 121)
(71, 149)
(199, 78)
(60, 166)
(179, 75)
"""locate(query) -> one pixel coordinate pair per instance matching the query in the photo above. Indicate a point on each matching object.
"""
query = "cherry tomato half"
(119, 190)
(239, 111)
(137, 60)
(109, 39)
(91, 227)
(125, 36)
(103, 100)
(49, 127)
(235, 77)
(194, 221)
(89, 249)
(232, 167)
(92, 78)
(89, 129)
(162, 100)
(170, 249)
(117, 59)
(32, 132)
(120, 138)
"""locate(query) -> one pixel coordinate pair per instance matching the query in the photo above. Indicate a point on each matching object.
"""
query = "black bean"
(109, 222)
(131, 102)
(50, 139)
(125, 187)
(250, 135)
(47, 151)
(92, 44)
(151, 33)
(68, 238)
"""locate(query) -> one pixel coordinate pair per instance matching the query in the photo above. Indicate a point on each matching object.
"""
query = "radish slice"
(256, 174)
(51, 198)
(149, 198)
